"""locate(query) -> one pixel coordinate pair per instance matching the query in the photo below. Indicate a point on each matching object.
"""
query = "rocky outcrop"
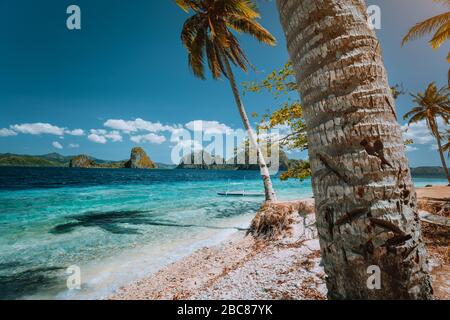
(82, 161)
(283, 162)
(202, 160)
(139, 160)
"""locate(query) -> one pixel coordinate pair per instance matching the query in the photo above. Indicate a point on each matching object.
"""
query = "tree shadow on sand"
(114, 221)
(233, 209)
(19, 284)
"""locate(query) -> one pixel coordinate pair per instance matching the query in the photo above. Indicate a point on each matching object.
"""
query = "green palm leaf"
(208, 35)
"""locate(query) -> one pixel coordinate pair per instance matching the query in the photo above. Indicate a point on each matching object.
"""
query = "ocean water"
(116, 225)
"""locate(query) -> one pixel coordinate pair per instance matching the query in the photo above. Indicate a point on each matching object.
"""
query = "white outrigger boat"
(242, 193)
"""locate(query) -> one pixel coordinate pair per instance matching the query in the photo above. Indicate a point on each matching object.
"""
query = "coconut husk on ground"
(275, 219)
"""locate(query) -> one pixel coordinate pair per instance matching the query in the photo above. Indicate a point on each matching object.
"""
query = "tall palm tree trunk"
(268, 187)
(441, 151)
(365, 199)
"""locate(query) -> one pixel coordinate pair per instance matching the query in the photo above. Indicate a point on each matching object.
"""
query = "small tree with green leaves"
(282, 83)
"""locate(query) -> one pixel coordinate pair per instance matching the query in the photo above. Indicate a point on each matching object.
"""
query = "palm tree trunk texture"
(365, 199)
(268, 187)
(441, 151)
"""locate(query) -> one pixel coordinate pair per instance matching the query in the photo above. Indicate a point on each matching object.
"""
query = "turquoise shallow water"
(116, 225)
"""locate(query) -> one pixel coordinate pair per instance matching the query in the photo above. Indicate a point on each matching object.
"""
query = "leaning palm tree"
(366, 209)
(208, 37)
(446, 146)
(429, 106)
(438, 25)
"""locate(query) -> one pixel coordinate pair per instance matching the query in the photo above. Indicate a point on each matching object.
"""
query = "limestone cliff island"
(138, 160)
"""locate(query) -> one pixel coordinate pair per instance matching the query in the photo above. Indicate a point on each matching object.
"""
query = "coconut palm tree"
(429, 106)
(439, 25)
(446, 146)
(366, 209)
(209, 37)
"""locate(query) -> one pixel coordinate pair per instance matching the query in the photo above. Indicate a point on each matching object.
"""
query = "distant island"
(140, 160)
(428, 171)
(202, 160)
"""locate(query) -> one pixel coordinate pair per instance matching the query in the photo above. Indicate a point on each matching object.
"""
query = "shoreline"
(105, 278)
(243, 268)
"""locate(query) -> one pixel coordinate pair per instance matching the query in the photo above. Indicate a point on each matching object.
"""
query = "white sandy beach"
(242, 268)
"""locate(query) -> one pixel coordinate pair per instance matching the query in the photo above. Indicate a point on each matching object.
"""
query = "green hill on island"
(138, 160)
(214, 163)
(202, 160)
(48, 160)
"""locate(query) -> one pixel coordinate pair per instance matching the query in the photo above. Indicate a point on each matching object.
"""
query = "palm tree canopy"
(429, 105)
(439, 25)
(208, 33)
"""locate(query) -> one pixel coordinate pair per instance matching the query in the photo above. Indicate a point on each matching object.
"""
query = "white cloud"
(7, 133)
(434, 147)
(419, 132)
(136, 125)
(101, 132)
(38, 128)
(114, 136)
(151, 138)
(102, 136)
(76, 132)
(411, 149)
(74, 146)
(208, 127)
(43, 128)
(188, 144)
(97, 138)
(121, 125)
(57, 145)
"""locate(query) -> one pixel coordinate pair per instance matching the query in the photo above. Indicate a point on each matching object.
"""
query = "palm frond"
(430, 105)
(414, 118)
(426, 27)
(446, 2)
(414, 111)
(441, 36)
(208, 34)
(246, 25)
(187, 5)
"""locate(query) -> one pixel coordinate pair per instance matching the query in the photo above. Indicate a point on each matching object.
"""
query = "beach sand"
(436, 192)
(243, 268)
(436, 200)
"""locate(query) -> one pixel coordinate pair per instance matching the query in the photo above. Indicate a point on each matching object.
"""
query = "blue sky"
(127, 63)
